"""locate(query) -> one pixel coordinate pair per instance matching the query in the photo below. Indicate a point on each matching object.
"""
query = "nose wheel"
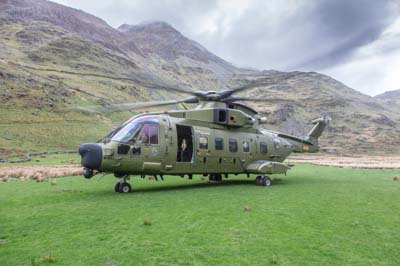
(122, 186)
(88, 173)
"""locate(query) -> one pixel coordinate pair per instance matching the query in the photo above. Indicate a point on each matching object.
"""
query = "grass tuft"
(147, 222)
(274, 260)
(247, 209)
(49, 259)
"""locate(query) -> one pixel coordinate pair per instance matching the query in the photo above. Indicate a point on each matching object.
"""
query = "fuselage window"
(222, 116)
(219, 143)
(153, 134)
(203, 142)
(233, 146)
(277, 143)
(246, 146)
(263, 148)
(148, 135)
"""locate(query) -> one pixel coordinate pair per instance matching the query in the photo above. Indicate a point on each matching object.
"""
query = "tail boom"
(308, 144)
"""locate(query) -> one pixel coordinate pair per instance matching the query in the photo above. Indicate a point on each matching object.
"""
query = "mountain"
(161, 40)
(390, 100)
(360, 124)
(55, 57)
(72, 20)
(389, 95)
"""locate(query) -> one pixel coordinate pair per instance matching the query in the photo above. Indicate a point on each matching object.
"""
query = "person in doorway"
(183, 150)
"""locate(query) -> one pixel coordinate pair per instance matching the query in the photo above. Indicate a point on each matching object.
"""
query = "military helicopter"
(217, 138)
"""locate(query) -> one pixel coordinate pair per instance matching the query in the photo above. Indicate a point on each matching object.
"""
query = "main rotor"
(197, 96)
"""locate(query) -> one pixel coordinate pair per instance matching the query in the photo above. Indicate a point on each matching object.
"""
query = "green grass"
(314, 216)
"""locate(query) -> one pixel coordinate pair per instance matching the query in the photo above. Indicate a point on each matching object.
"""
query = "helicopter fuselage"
(184, 147)
(209, 140)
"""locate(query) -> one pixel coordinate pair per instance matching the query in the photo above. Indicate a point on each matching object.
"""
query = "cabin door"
(185, 144)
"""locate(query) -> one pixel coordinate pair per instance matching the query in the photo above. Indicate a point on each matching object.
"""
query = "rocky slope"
(54, 57)
(390, 100)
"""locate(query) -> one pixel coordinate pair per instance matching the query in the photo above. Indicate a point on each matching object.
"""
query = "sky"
(356, 42)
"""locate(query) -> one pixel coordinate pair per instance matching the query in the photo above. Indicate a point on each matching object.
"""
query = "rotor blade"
(255, 85)
(266, 81)
(167, 88)
(153, 82)
(133, 106)
(271, 100)
(88, 109)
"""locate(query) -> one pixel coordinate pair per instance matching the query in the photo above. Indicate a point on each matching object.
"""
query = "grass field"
(314, 216)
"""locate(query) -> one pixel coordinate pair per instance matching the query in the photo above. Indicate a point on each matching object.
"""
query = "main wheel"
(116, 188)
(258, 180)
(218, 177)
(215, 177)
(125, 188)
(266, 181)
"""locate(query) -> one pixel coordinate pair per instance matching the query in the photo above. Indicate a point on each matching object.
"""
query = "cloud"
(373, 67)
(308, 35)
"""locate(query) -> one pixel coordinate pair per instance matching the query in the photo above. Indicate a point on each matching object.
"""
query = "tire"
(266, 181)
(215, 177)
(125, 188)
(87, 173)
(116, 188)
(258, 180)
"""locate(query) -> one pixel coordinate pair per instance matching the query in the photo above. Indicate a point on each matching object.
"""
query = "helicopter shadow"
(205, 185)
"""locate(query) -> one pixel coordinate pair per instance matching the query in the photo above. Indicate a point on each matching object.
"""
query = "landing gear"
(215, 177)
(116, 188)
(263, 181)
(87, 173)
(123, 186)
(266, 181)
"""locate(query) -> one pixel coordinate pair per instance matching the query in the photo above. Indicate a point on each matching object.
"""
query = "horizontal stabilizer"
(267, 167)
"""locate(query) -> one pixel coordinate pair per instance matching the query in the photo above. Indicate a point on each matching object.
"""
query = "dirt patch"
(38, 173)
(365, 162)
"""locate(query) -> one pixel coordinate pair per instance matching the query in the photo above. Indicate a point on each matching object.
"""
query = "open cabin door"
(185, 144)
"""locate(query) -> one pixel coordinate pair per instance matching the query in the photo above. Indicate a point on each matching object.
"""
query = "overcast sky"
(354, 41)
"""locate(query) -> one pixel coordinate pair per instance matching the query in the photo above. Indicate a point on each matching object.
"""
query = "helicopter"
(217, 138)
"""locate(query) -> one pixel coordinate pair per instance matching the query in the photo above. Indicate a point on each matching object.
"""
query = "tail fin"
(310, 142)
(319, 127)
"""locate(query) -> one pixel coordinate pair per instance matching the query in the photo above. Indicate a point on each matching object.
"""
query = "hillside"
(55, 57)
(390, 99)
(361, 125)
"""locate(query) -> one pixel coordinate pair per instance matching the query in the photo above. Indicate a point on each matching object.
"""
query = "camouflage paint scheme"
(241, 124)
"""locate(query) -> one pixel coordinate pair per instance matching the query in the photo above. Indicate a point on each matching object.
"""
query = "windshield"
(127, 133)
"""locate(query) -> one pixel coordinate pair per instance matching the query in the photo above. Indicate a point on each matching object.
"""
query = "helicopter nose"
(91, 154)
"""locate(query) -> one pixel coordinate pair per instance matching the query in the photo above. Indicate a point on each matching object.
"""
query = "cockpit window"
(148, 127)
(127, 133)
(148, 135)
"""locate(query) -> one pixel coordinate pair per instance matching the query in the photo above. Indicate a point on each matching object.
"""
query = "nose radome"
(91, 154)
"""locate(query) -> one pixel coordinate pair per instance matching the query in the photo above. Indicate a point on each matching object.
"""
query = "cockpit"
(142, 130)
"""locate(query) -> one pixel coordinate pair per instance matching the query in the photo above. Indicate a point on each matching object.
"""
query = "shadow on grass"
(189, 186)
